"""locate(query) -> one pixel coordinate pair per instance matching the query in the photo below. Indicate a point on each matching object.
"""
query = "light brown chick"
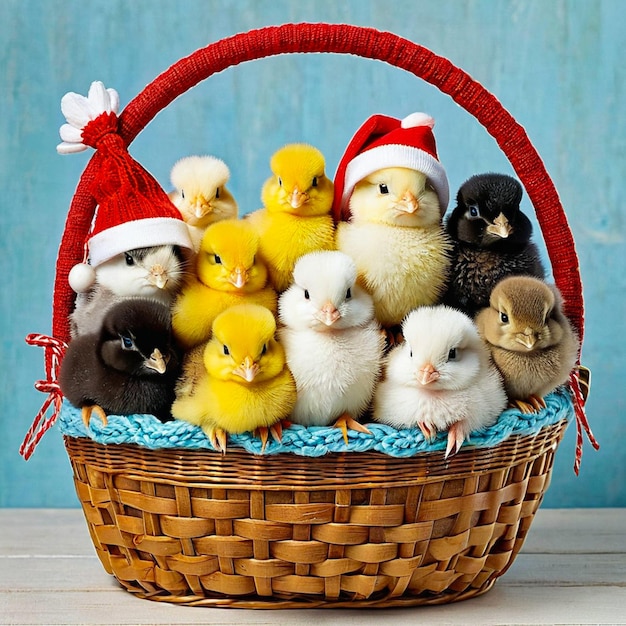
(531, 341)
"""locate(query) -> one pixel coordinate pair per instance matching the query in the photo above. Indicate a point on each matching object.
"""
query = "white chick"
(156, 272)
(200, 193)
(332, 342)
(441, 378)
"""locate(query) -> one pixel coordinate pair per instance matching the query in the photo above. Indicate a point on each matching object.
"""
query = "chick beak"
(427, 374)
(527, 338)
(238, 277)
(202, 208)
(500, 227)
(158, 276)
(297, 198)
(328, 314)
(247, 369)
(409, 203)
(156, 361)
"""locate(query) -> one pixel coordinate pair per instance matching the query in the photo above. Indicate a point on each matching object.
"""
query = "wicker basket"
(346, 529)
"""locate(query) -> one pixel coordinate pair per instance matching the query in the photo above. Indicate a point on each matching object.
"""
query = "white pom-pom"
(417, 119)
(81, 277)
(80, 110)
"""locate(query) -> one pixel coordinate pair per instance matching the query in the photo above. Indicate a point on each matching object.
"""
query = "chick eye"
(504, 318)
(182, 194)
(264, 350)
(226, 350)
(217, 193)
(307, 295)
(280, 181)
(127, 342)
(129, 259)
(452, 354)
(314, 183)
(383, 188)
(348, 294)
(218, 259)
(473, 211)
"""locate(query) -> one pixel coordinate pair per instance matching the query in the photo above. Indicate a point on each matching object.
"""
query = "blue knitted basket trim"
(147, 431)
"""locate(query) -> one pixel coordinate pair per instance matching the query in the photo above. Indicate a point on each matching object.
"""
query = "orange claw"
(428, 432)
(87, 411)
(218, 439)
(276, 430)
(345, 421)
(533, 404)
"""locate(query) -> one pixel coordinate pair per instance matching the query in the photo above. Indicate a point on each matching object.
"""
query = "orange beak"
(158, 276)
(410, 203)
(238, 277)
(427, 374)
(247, 369)
(328, 314)
(297, 198)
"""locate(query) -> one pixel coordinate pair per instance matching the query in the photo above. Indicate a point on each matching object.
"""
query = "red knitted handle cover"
(344, 39)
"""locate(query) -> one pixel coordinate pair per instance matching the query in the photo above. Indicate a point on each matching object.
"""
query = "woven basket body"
(347, 529)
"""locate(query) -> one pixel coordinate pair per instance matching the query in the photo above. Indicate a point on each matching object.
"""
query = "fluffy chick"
(531, 341)
(296, 218)
(200, 193)
(156, 272)
(128, 366)
(492, 240)
(228, 272)
(333, 344)
(246, 385)
(440, 379)
(397, 241)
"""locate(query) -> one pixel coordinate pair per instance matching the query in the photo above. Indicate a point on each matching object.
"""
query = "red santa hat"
(133, 209)
(383, 142)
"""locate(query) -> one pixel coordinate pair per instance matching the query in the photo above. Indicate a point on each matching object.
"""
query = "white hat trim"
(396, 155)
(143, 233)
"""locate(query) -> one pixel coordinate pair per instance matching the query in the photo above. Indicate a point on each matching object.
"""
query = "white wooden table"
(572, 570)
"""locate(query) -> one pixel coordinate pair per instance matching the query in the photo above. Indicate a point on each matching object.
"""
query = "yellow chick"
(391, 192)
(295, 218)
(397, 241)
(246, 385)
(228, 272)
(200, 193)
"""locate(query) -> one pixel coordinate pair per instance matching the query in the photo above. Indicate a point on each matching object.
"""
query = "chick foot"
(217, 437)
(87, 411)
(456, 437)
(276, 430)
(533, 404)
(427, 430)
(393, 336)
(345, 421)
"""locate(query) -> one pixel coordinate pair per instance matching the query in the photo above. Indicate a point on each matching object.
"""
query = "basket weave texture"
(350, 529)
(345, 529)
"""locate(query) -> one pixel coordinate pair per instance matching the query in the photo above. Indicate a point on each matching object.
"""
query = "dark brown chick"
(129, 366)
(531, 341)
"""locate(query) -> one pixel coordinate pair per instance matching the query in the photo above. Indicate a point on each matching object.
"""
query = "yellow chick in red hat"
(391, 192)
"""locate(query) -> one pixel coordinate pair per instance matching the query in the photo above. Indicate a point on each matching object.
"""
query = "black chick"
(491, 240)
(129, 366)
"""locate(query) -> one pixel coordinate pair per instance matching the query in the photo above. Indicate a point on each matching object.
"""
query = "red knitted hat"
(133, 209)
(383, 142)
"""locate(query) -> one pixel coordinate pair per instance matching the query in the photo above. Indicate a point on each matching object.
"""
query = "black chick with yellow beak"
(130, 366)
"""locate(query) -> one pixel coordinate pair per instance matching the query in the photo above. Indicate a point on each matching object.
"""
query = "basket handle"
(341, 39)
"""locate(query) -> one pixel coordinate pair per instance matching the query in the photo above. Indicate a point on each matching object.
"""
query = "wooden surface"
(572, 570)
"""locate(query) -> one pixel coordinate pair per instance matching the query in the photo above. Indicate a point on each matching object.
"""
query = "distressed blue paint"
(554, 65)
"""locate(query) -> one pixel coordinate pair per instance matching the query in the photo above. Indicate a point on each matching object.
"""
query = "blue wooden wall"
(553, 64)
